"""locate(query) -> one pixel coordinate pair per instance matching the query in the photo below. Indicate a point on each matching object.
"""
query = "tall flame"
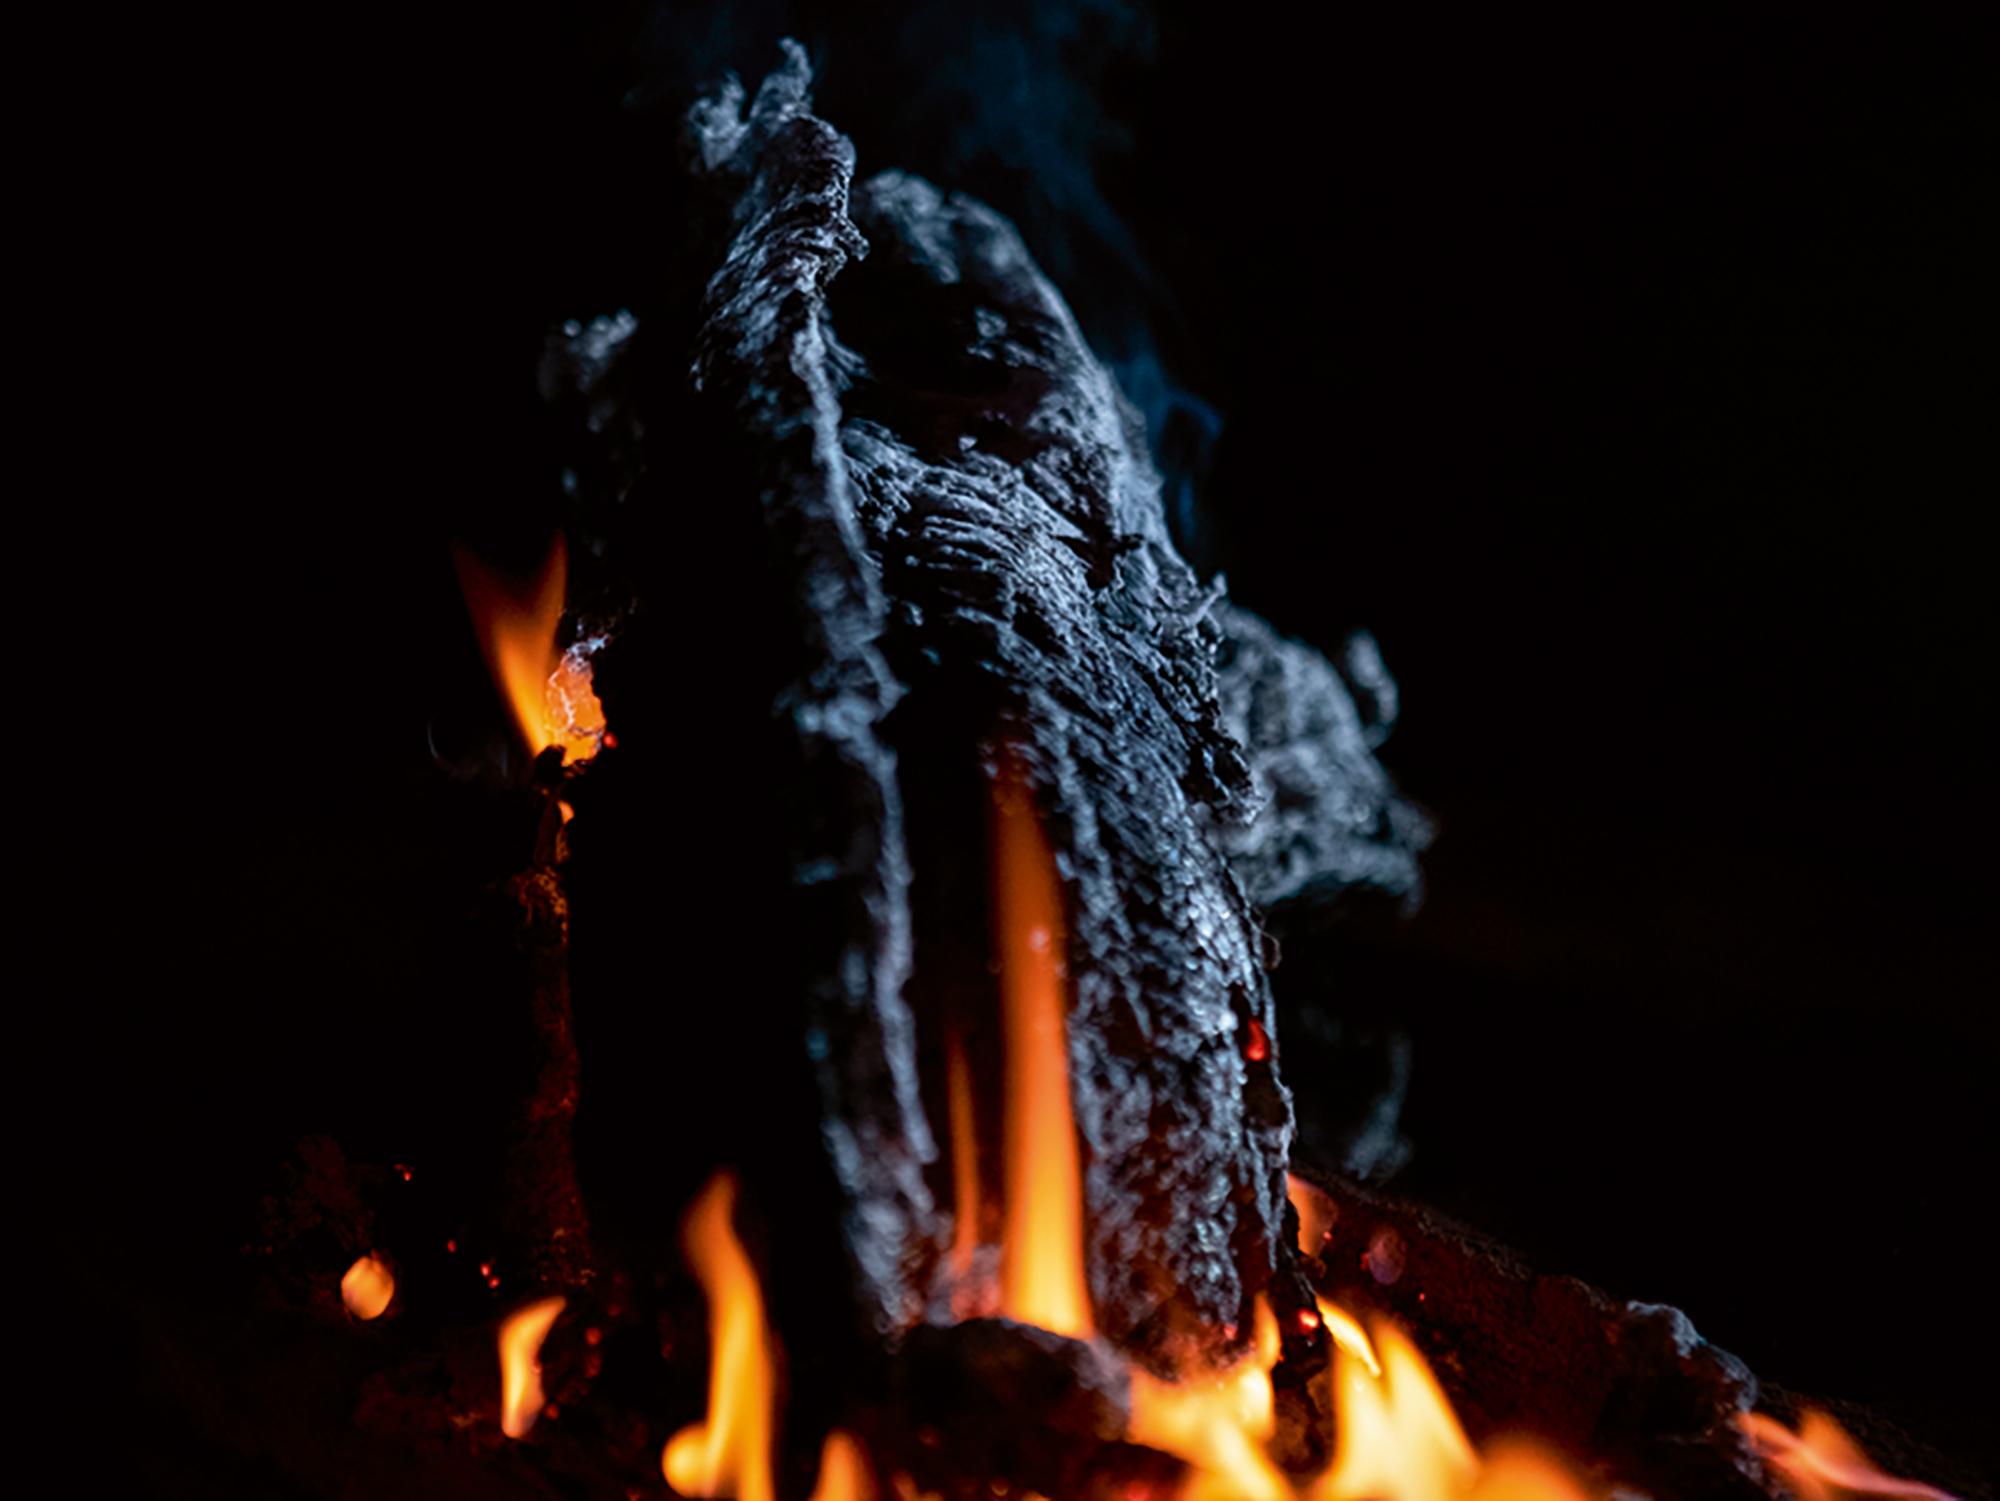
(1822, 1463)
(521, 1339)
(367, 1287)
(1042, 1278)
(548, 692)
(729, 1454)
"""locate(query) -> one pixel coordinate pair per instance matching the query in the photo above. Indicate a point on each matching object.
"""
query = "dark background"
(1623, 373)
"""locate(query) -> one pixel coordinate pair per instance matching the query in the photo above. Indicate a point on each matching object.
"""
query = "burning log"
(547, 691)
(965, 542)
(967, 630)
(1039, 599)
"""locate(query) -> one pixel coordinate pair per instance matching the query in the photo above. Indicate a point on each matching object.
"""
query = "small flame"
(1821, 1462)
(1347, 1335)
(729, 1454)
(1520, 1472)
(367, 1287)
(547, 691)
(1317, 1213)
(844, 1473)
(1042, 1278)
(521, 1339)
(1398, 1437)
(1218, 1425)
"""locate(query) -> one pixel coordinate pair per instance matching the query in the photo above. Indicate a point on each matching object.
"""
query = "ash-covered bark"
(1002, 484)
(957, 502)
(761, 352)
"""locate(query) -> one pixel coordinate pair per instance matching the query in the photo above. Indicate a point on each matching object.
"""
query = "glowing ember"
(730, 1453)
(367, 1287)
(1258, 1047)
(844, 1474)
(1822, 1463)
(548, 692)
(1041, 1249)
(521, 1339)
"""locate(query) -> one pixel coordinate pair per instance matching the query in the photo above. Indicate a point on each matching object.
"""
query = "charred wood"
(957, 511)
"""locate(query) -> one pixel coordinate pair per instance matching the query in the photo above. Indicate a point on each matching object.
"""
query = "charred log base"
(1631, 1386)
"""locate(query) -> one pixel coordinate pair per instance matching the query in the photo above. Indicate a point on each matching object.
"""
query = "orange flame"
(1399, 1440)
(1398, 1437)
(1219, 1425)
(1347, 1334)
(367, 1287)
(547, 691)
(521, 1339)
(1042, 1278)
(844, 1474)
(1822, 1463)
(1519, 1472)
(1317, 1213)
(730, 1453)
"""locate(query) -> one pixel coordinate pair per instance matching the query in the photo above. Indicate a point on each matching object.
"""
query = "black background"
(1622, 373)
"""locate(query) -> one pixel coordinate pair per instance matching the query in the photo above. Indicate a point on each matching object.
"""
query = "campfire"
(982, 1182)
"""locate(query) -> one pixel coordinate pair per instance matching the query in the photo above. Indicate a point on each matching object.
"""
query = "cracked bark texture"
(762, 350)
(959, 507)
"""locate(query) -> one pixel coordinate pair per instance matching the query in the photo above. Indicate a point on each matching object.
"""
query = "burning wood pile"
(969, 1172)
